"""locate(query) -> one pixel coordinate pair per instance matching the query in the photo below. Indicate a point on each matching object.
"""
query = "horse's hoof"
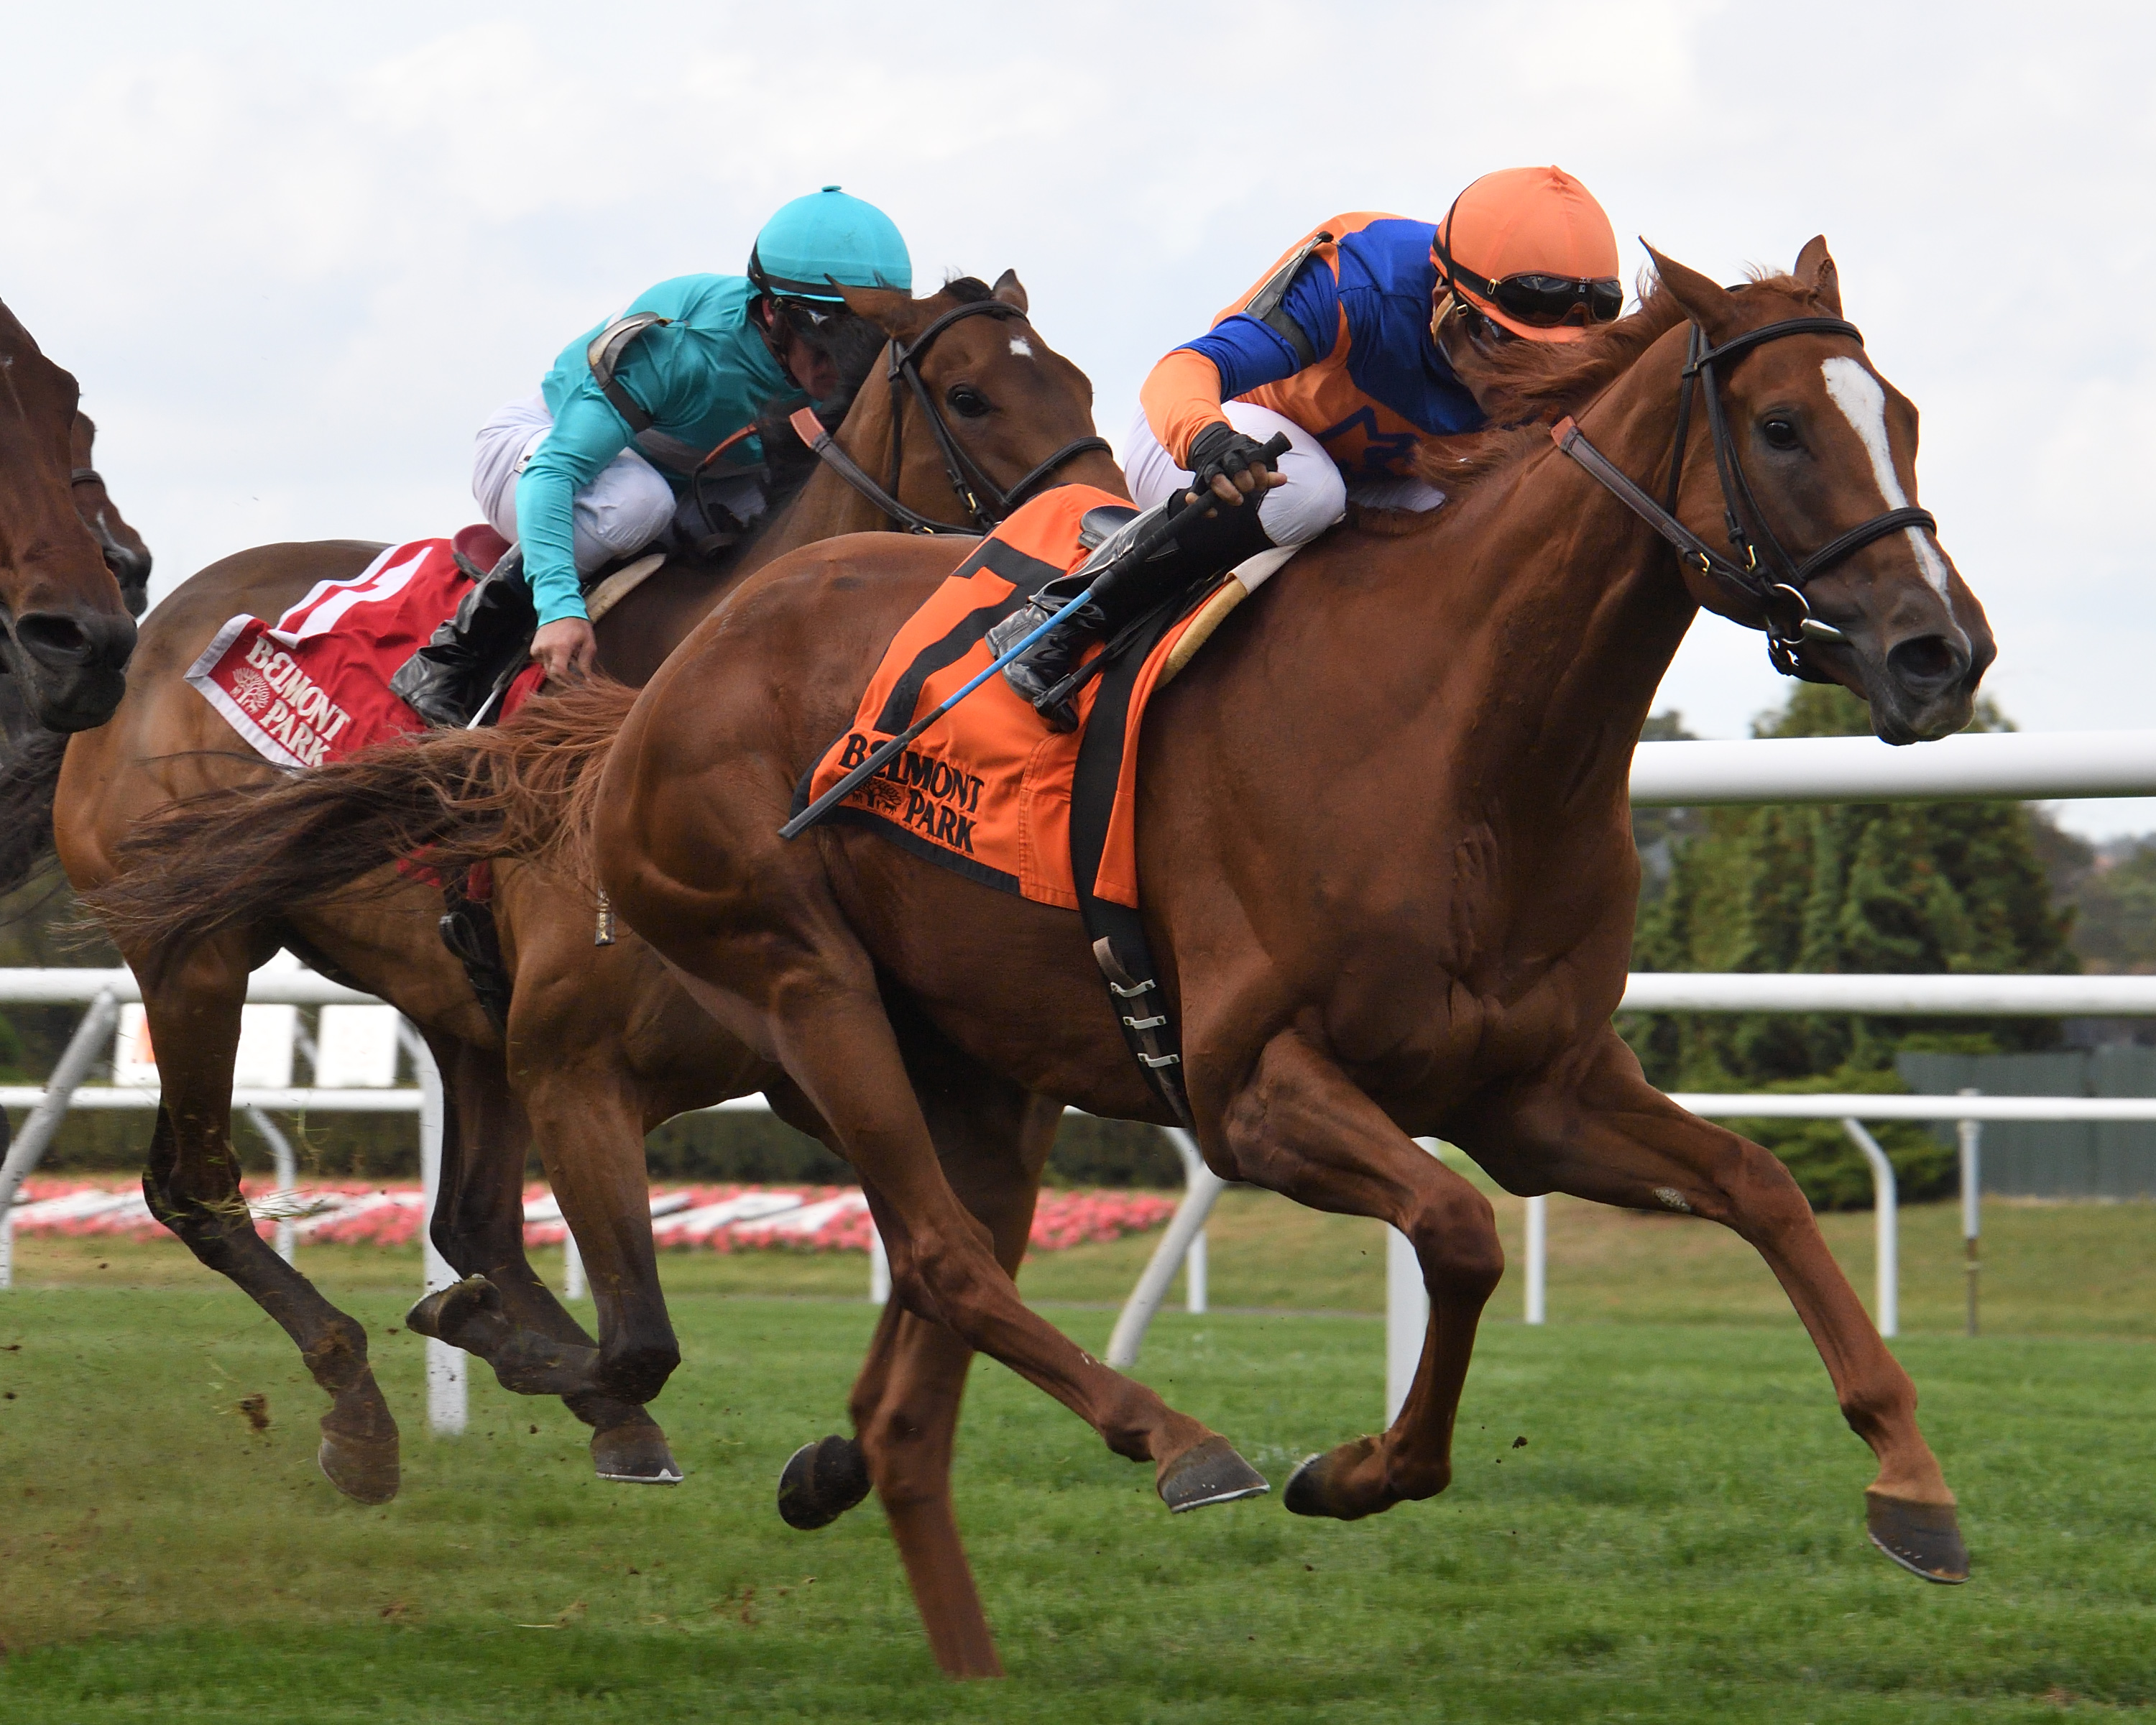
(1924, 1538)
(821, 1481)
(1341, 1484)
(443, 1313)
(1304, 1494)
(364, 1468)
(1210, 1472)
(635, 1455)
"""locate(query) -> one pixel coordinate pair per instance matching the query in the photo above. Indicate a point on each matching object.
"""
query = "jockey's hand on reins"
(1231, 465)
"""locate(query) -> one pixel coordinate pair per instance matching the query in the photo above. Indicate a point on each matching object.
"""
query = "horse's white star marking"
(1022, 348)
(1863, 403)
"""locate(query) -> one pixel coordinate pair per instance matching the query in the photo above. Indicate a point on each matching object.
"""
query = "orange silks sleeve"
(1181, 398)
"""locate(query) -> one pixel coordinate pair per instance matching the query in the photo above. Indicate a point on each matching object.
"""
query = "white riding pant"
(1315, 496)
(616, 516)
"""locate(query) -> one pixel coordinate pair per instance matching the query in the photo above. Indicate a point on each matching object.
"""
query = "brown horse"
(1384, 838)
(602, 1046)
(64, 632)
(125, 554)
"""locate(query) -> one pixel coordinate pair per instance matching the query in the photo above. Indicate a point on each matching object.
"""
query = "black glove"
(1222, 451)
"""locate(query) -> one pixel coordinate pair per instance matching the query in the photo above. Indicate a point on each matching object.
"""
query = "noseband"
(1778, 592)
(966, 479)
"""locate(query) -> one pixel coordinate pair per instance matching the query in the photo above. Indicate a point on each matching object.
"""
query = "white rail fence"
(2011, 766)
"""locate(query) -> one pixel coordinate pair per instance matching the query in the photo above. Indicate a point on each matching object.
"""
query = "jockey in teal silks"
(598, 465)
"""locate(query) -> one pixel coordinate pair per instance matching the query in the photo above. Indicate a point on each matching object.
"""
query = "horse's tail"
(29, 779)
(443, 799)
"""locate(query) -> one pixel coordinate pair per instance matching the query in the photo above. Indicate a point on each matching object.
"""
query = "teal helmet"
(828, 237)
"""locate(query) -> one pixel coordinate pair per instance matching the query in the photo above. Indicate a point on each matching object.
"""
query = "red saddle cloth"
(988, 789)
(314, 685)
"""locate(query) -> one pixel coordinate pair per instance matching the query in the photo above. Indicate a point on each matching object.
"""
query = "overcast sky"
(295, 255)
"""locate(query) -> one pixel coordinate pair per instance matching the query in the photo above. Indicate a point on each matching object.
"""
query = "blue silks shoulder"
(702, 377)
(1384, 283)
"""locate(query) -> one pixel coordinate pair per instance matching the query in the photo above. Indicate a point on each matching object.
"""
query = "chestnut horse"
(601, 1045)
(125, 555)
(65, 631)
(1388, 873)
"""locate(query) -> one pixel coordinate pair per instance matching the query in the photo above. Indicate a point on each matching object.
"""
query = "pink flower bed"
(723, 1219)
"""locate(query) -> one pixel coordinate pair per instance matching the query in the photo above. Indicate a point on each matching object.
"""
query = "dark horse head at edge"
(66, 634)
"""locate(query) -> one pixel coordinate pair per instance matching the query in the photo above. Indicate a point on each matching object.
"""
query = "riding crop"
(1162, 532)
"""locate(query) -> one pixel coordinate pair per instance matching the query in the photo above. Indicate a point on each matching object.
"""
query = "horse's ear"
(895, 313)
(1815, 271)
(1010, 290)
(1707, 301)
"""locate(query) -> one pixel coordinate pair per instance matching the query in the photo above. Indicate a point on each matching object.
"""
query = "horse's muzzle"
(72, 664)
(1924, 687)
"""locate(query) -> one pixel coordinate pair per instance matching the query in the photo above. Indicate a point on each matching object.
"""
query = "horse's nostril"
(1925, 663)
(53, 637)
(65, 642)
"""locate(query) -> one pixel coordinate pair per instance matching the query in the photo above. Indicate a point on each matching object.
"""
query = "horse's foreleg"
(1601, 1130)
(834, 1038)
(1300, 1128)
(192, 1187)
(994, 1142)
(502, 1311)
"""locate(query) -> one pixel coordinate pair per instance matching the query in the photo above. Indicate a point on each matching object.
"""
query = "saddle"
(991, 791)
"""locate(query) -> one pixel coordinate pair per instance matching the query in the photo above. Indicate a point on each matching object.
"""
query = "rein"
(1778, 593)
(966, 479)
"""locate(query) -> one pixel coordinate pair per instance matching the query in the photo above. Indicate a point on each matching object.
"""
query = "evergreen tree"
(1905, 888)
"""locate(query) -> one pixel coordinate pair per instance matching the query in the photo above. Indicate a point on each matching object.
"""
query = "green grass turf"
(1679, 1539)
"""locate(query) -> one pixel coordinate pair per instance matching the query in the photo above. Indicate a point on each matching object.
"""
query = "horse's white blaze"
(1863, 403)
(1022, 348)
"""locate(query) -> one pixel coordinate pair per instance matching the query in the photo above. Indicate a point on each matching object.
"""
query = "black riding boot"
(446, 681)
(1124, 587)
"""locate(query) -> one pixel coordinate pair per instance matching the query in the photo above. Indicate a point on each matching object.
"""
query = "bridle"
(966, 479)
(1777, 592)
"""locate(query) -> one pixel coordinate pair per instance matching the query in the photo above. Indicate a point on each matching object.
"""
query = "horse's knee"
(1455, 1233)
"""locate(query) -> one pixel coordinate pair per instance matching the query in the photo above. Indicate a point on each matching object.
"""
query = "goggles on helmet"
(806, 317)
(1544, 302)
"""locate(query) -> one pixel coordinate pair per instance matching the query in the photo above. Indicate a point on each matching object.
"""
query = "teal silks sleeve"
(702, 375)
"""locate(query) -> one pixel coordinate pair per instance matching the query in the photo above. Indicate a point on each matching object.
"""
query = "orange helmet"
(1531, 249)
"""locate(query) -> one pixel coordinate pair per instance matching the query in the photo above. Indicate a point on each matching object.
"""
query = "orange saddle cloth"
(990, 790)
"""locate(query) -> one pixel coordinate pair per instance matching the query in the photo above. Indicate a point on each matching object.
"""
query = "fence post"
(879, 1266)
(1886, 1203)
(27, 1149)
(1407, 1319)
(1202, 1188)
(288, 1178)
(1537, 1232)
(573, 1284)
(447, 1398)
(1971, 1132)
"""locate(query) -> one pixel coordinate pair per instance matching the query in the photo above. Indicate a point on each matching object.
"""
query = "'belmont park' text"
(939, 801)
(303, 718)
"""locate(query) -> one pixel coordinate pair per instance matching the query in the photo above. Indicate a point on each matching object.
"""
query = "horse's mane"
(1533, 384)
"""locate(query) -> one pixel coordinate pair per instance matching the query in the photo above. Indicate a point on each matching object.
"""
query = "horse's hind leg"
(193, 1186)
(502, 1311)
(1300, 1128)
(1597, 1129)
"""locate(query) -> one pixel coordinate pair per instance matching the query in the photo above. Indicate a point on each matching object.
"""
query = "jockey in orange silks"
(1346, 346)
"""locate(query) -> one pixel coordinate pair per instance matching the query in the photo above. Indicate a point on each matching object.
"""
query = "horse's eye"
(965, 399)
(1780, 434)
